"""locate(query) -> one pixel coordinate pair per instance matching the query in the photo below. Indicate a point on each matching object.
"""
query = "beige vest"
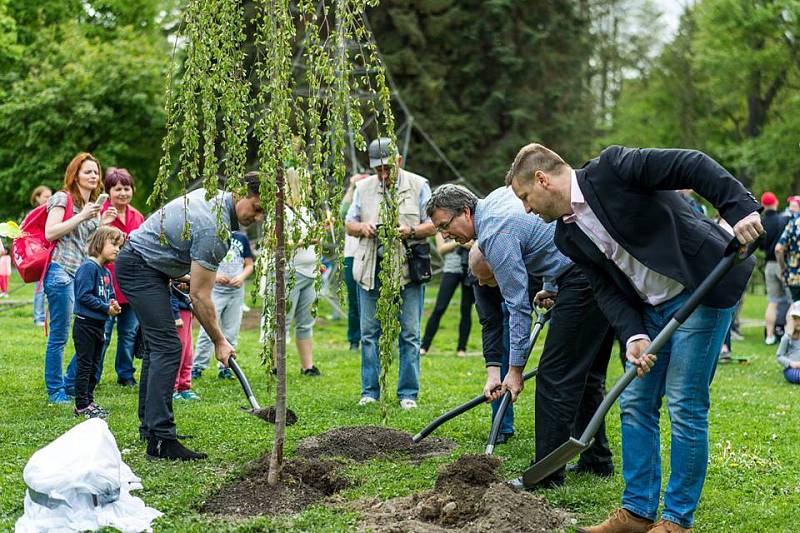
(370, 192)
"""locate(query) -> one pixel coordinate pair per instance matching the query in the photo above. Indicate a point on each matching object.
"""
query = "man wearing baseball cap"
(773, 223)
(363, 219)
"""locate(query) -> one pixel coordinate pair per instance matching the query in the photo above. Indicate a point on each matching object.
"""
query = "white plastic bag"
(79, 482)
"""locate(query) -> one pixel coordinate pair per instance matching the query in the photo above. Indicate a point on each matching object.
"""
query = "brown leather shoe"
(620, 521)
(665, 526)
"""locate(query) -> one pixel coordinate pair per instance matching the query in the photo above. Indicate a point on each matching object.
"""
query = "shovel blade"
(554, 460)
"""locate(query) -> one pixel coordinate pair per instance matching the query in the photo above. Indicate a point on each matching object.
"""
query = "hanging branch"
(208, 114)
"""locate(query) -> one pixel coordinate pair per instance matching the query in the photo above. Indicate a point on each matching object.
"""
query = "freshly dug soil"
(268, 414)
(469, 497)
(305, 482)
(362, 443)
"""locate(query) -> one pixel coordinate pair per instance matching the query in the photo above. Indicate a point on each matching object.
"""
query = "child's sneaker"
(225, 373)
(102, 410)
(176, 396)
(197, 373)
(90, 411)
(189, 395)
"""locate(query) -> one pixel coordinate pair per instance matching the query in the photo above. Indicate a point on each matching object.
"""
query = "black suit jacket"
(632, 192)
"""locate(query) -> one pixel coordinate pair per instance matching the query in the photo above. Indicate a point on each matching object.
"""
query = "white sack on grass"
(79, 482)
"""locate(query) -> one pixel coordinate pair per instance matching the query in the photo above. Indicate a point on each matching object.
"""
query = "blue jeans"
(508, 420)
(59, 288)
(126, 338)
(683, 373)
(353, 315)
(409, 341)
(38, 304)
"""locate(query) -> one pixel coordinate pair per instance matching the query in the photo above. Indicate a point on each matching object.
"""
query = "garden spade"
(541, 320)
(505, 401)
(268, 415)
(574, 447)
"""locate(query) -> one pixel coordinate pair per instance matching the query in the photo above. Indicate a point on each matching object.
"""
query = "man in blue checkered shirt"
(570, 383)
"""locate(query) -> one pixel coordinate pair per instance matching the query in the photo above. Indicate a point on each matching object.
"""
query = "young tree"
(210, 113)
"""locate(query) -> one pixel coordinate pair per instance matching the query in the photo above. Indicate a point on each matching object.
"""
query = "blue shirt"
(517, 245)
(93, 290)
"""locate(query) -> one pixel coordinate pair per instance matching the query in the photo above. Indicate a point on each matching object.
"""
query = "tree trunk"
(276, 460)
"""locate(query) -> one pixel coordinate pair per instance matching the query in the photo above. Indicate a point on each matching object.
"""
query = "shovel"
(268, 414)
(541, 319)
(498, 421)
(574, 447)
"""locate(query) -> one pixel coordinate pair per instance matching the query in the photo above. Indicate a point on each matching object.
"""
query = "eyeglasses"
(446, 226)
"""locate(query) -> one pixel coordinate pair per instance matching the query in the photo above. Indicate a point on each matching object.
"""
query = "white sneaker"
(366, 399)
(408, 404)
(769, 341)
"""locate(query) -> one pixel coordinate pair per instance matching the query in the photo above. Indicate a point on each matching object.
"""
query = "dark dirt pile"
(362, 443)
(469, 497)
(268, 414)
(305, 482)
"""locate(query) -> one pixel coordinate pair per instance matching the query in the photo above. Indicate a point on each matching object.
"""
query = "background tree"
(79, 76)
(483, 78)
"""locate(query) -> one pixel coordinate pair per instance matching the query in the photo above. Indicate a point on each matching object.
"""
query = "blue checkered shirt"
(516, 245)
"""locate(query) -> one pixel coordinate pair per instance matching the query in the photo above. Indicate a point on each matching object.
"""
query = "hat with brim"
(794, 310)
(381, 152)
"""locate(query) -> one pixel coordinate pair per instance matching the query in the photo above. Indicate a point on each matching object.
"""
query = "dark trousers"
(147, 290)
(570, 384)
(447, 287)
(87, 335)
(353, 313)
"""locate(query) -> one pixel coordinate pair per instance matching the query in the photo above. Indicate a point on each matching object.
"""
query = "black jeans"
(88, 337)
(447, 287)
(570, 384)
(147, 291)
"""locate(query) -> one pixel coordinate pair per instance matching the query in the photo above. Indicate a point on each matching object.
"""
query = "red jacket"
(133, 219)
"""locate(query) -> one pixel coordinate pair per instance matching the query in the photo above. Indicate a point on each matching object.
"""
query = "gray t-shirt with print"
(70, 249)
(204, 246)
(233, 263)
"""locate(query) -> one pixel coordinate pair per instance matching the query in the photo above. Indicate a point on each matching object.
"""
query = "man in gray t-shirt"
(144, 269)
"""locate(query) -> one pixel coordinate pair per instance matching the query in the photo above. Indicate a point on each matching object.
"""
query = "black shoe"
(600, 470)
(354, 347)
(171, 449)
(502, 438)
(131, 382)
(313, 371)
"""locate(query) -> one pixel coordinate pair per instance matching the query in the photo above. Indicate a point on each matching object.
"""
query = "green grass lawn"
(753, 482)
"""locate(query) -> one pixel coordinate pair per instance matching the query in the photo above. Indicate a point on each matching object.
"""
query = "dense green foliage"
(75, 79)
(483, 78)
(726, 84)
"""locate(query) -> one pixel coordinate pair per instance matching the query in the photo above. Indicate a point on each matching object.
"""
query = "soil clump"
(268, 414)
(362, 443)
(304, 482)
(468, 496)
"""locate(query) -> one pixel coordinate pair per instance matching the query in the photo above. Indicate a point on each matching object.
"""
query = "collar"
(575, 197)
(232, 212)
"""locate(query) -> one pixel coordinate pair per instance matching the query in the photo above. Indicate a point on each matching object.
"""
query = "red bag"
(31, 252)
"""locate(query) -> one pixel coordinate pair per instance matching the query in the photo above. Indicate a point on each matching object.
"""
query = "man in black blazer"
(644, 251)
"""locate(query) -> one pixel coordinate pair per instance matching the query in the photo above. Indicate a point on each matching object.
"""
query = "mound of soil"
(305, 482)
(268, 414)
(468, 496)
(362, 443)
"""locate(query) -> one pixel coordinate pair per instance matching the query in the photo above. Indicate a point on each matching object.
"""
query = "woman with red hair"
(82, 186)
